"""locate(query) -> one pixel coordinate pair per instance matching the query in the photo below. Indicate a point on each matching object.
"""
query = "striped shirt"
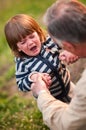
(45, 62)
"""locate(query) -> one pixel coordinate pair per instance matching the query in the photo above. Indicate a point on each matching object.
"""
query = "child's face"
(30, 45)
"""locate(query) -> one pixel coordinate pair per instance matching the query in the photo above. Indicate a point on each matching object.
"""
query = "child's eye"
(31, 36)
(23, 42)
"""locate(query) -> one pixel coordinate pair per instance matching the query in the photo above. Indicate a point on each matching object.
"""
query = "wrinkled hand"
(68, 57)
(38, 86)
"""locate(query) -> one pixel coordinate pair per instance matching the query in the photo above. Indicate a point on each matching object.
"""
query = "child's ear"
(19, 49)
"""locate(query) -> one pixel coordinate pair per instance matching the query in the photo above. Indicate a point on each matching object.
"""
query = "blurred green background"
(18, 111)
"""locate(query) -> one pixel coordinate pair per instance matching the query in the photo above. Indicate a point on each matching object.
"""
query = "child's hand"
(45, 77)
(68, 57)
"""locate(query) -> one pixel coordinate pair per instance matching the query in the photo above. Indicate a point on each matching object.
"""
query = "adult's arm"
(60, 116)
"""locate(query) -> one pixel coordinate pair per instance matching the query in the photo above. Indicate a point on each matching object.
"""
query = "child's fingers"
(47, 80)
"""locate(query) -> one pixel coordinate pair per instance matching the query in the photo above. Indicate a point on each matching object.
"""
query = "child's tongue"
(33, 48)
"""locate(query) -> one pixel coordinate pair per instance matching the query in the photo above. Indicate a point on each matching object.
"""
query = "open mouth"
(33, 48)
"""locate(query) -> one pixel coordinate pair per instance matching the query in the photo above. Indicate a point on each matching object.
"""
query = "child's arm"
(68, 57)
(23, 76)
(22, 80)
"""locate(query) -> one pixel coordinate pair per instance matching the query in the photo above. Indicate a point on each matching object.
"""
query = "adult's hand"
(38, 86)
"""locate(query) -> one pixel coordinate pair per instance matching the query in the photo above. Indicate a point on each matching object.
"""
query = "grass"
(17, 114)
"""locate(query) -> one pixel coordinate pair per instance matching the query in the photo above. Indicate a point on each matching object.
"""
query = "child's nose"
(29, 42)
